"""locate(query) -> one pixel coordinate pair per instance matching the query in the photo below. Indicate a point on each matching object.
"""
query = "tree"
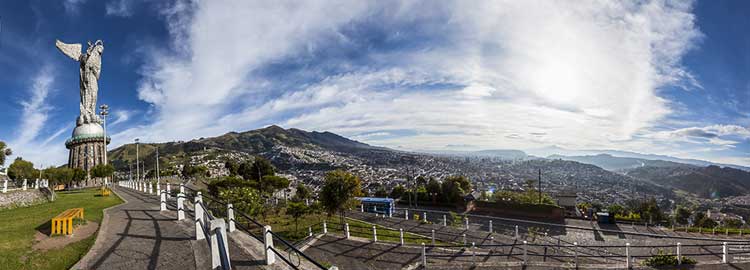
(453, 188)
(4, 152)
(190, 171)
(232, 167)
(255, 171)
(244, 199)
(397, 192)
(682, 214)
(273, 183)
(302, 193)
(102, 170)
(338, 192)
(22, 169)
(433, 189)
(732, 223)
(78, 175)
(216, 186)
(381, 192)
(297, 210)
(616, 209)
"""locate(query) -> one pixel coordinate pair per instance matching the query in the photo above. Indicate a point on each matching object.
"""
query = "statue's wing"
(71, 50)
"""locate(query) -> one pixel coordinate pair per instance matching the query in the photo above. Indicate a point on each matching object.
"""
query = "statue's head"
(97, 46)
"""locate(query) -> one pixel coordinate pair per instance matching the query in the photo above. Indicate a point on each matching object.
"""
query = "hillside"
(615, 163)
(707, 182)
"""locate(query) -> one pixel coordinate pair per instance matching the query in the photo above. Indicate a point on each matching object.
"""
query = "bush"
(664, 259)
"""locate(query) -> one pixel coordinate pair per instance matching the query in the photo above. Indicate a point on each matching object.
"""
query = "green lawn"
(18, 226)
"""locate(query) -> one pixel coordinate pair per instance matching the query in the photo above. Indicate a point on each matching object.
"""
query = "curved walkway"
(136, 235)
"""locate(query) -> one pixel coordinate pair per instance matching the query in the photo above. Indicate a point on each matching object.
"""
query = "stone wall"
(20, 198)
(546, 213)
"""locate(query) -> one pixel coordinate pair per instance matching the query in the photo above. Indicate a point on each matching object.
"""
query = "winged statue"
(90, 68)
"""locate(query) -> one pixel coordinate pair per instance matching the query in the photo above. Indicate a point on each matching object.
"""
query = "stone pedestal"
(87, 146)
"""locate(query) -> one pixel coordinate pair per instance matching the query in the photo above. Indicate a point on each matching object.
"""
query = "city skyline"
(657, 77)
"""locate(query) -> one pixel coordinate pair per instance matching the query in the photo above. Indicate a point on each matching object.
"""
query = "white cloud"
(121, 8)
(73, 6)
(722, 135)
(586, 74)
(121, 116)
(28, 142)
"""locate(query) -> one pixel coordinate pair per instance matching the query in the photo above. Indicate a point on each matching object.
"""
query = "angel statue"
(91, 67)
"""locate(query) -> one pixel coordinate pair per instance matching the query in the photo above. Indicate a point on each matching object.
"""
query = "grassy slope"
(19, 225)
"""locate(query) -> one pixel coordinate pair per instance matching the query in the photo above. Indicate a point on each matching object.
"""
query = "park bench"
(63, 223)
(105, 191)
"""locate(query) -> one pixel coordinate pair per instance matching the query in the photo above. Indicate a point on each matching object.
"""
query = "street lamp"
(104, 112)
(137, 166)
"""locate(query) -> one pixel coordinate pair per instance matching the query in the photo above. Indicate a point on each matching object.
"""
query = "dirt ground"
(43, 241)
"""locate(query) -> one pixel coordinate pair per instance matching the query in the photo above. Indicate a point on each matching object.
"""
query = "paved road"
(136, 235)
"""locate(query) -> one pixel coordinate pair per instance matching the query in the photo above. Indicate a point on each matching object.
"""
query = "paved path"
(136, 235)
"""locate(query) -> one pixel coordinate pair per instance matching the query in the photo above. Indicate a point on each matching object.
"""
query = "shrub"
(664, 259)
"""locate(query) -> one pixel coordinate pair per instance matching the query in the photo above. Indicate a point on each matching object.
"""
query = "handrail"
(274, 235)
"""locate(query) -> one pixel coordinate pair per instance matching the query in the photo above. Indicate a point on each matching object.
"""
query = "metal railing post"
(374, 234)
(163, 201)
(180, 206)
(199, 222)
(490, 226)
(492, 240)
(401, 235)
(309, 231)
(182, 188)
(325, 227)
(268, 243)
(168, 189)
(575, 250)
(466, 220)
(679, 254)
(525, 252)
(516, 232)
(217, 226)
(433, 237)
(627, 255)
(346, 230)
(424, 257)
(406, 214)
(424, 216)
(725, 255)
(464, 237)
(445, 221)
(230, 217)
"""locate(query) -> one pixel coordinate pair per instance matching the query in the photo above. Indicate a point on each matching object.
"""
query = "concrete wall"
(549, 213)
(20, 198)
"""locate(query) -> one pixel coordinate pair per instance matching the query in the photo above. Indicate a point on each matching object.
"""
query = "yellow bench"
(105, 191)
(63, 223)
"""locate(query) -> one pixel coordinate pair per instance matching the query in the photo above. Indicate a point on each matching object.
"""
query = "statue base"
(87, 146)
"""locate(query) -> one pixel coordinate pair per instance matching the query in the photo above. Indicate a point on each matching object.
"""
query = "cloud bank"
(422, 74)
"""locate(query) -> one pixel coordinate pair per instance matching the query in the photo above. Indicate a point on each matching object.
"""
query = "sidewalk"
(135, 235)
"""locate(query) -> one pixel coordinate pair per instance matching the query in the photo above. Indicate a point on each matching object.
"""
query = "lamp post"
(158, 179)
(137, 166)
(104, 112)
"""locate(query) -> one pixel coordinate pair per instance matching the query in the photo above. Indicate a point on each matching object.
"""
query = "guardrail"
(210, 214)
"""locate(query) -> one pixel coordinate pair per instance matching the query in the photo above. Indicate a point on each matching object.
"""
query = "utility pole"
(158, 179)
(137, 165)
(540, 186)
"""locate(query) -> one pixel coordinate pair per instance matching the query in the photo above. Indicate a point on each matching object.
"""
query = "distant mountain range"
(708, 182)
(613, 163)
(312, 153)
(559, 151)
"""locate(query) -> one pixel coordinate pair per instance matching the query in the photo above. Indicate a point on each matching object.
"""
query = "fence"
(210, 214)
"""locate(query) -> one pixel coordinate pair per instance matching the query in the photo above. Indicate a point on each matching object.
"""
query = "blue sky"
(657, 77)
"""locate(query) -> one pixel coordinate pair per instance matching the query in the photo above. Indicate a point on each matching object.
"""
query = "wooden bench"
(105, 191)
(63, 223)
